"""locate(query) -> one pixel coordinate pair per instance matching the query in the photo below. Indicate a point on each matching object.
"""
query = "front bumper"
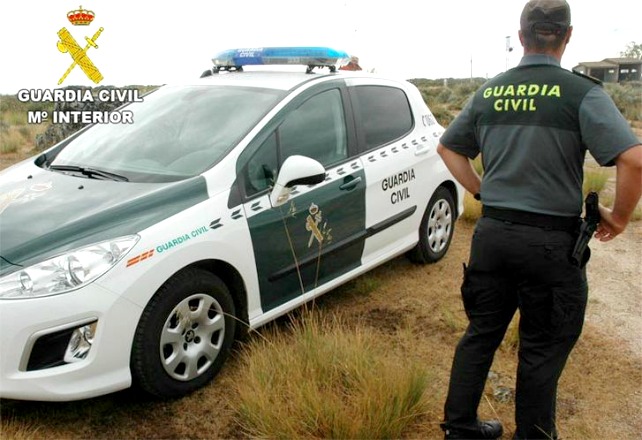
(104, 370)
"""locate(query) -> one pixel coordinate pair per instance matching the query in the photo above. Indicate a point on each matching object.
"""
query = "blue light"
(308, 56)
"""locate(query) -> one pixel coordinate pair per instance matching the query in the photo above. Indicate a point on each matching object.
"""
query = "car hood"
(44, 213)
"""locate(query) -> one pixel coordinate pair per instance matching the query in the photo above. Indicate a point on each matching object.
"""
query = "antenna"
(509, 49)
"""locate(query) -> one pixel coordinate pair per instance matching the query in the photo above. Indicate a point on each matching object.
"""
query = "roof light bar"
(308, 56)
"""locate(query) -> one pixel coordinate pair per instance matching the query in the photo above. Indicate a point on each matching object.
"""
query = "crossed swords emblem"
(79, 55)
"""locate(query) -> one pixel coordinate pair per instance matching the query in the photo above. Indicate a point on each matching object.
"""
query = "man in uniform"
(353, 64)
(532, 126)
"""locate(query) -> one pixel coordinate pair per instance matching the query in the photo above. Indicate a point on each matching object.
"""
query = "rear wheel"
(184, 334)
(436, 229)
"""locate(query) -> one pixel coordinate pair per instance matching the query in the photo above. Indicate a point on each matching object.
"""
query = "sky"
(152, 43)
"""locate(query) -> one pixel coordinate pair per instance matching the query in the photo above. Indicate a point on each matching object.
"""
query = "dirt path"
(615, 280)
(615, 297)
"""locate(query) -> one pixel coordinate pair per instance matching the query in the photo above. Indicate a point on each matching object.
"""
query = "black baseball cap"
(548, 16)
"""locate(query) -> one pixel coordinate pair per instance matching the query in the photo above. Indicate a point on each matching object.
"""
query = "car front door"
(319, 233)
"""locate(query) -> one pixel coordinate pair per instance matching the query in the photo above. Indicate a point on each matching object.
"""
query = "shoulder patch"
(590, 78)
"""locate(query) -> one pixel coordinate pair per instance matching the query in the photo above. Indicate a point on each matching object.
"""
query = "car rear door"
(397, 153)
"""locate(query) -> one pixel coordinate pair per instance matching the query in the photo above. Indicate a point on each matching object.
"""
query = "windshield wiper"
(89, 172)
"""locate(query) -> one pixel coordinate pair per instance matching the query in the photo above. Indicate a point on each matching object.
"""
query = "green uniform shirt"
(533, 125)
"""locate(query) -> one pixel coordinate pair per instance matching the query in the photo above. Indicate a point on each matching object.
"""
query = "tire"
(436, 229)
(173, 354)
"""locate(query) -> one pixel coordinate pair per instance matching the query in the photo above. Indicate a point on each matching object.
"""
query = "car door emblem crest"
(313, 224)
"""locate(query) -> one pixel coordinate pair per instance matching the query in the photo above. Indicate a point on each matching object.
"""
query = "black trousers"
(527, 268)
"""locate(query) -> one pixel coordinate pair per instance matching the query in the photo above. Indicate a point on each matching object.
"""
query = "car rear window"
(384, 113)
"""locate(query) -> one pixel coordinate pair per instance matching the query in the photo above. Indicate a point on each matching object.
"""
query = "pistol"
(587, 229)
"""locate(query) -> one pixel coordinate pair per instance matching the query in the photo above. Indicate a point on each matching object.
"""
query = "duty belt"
(553, 222)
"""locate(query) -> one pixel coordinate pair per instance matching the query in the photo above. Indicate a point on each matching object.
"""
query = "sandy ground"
(615, 280)
(615, 296)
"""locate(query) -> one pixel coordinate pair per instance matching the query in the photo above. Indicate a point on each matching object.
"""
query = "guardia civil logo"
(79, 56)
(318, 229)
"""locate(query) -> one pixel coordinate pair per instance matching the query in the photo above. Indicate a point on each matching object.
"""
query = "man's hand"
(628, 188)
(609, 226)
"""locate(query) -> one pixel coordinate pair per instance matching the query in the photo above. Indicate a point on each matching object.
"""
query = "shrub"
(10, 141)
(472, 209)
(627, 98)
(442, 114)
(594, 180)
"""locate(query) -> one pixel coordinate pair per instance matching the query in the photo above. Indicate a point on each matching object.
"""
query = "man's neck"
(557, 53)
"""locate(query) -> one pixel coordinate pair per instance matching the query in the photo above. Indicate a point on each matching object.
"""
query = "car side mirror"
(296, 170)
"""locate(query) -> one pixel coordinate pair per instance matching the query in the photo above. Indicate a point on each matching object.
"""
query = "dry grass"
(472, 208)
(511, 339)
(595, 180)
(10, 141)
(330, 380)
(14, 117)
(17, 139)
(13, 429)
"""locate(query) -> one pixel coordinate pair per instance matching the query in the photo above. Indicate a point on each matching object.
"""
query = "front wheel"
(184, 334)
(436, 229)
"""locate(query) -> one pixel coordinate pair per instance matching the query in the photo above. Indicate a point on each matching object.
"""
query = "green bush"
(442, 113)
(627, 98)
(594, 180)
(446, 97)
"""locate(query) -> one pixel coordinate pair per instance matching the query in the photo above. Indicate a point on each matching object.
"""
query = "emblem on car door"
(313, 223)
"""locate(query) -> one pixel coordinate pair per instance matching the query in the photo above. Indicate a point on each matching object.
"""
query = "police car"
(133, 254)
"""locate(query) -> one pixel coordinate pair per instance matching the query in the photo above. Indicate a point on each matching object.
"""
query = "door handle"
(350, 184)
(422, 149)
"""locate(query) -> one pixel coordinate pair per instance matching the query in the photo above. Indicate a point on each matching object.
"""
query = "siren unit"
(235, 59)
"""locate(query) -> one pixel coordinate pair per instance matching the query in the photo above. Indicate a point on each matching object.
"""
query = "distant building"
(612, 69)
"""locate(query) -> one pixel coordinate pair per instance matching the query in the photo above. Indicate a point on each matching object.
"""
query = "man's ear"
(568, 34)
(521, 37)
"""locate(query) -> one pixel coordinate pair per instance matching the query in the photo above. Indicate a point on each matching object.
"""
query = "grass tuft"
(327, 381)
(365, 284)
(594, 180)
(472, 209)
(454, 322)
(11, 429)
(511, 338)
(478, 165)
(10, 141)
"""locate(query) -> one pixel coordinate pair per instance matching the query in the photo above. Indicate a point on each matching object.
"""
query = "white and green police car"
(133, 253)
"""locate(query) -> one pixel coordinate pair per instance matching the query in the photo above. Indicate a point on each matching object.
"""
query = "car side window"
(262, 167)
(384, 113)
(315, 129)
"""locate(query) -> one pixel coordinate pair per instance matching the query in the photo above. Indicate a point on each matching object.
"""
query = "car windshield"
(177, 133)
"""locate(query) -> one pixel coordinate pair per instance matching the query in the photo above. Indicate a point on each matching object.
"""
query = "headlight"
(66, 272)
